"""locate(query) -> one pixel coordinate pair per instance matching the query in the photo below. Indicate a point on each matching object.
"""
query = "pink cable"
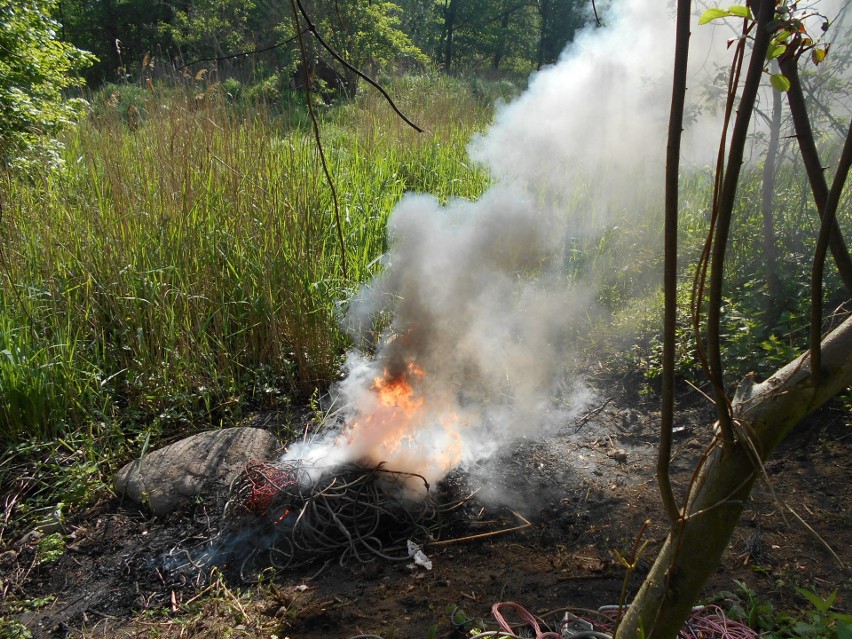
(708, 622)
(711, 619)
(523, 614)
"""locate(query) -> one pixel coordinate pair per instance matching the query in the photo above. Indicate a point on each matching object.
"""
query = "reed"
(185, 264)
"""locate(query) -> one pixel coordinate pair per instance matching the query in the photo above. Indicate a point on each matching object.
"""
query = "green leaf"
(736, 11)
(782, 36)
(713, 14)
(818, 55)
(780, 82)
(775, 51)
(740, 12)
(821, 605)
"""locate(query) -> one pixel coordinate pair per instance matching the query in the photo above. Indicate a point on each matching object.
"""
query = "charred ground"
(585, 492)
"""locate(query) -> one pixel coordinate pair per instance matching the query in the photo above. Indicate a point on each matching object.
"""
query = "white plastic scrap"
(419, 556)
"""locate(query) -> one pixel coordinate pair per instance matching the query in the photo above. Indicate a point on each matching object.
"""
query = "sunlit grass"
(186, 264)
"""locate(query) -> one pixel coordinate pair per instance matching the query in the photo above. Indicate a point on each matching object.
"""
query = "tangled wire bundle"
(289, 513)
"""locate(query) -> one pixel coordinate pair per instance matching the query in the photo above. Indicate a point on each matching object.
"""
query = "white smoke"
(477, 291)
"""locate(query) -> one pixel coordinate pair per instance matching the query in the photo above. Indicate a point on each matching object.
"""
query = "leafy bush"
(232, 88)
(266, 91)
(126, 102)
(33, 75)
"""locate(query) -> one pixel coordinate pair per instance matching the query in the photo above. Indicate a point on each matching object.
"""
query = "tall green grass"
(186, 262)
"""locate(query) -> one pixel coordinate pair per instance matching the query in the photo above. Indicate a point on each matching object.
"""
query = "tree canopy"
(35, 68)
(513, 35)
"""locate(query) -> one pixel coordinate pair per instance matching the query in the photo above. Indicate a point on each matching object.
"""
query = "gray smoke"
(475, 309)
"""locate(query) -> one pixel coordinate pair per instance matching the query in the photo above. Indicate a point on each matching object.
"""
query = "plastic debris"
(419, 556)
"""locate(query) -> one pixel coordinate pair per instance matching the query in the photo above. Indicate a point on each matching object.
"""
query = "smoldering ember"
(580, 385)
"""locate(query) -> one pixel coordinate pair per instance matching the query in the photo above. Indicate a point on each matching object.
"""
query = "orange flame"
(397, 391)
(398, 426)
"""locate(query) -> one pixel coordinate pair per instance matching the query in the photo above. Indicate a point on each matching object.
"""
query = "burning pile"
(290, 513)
(336, 497)
(389, 414)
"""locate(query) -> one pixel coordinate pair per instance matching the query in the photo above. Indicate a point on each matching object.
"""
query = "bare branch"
(765, 12)
(670, 265)
(700, 281)
(317, 137)
(814, 168)
(312, 28)
(240, 54)
(829, 221)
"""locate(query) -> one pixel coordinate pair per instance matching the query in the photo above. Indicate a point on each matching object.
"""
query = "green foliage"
(128, 102)
(714, 13)
(469, 626)
(50, 548)
(121, 33)
(372, 35)
(207, 28)
(135, 40)
(12, 629)
(818, 622)
(268, 90)
(233, 88)
(755, 337)
(39, 376)
(779, 82)
(790, 36)
(559, 20)
(367, 35)
(35, 68)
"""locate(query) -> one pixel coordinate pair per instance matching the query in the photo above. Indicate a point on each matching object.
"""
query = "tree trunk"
(449, 25)
(500, 51)
(764, 414)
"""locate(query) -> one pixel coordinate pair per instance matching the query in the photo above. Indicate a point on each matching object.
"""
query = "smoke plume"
(478, 318)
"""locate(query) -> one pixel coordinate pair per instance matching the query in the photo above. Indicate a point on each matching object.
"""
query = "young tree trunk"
(770, 251)
(764, 414)
(814, 168)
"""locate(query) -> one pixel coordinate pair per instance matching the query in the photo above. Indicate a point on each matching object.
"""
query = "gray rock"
(173, 475)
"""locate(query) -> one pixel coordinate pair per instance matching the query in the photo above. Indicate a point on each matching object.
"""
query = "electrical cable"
(293, 513)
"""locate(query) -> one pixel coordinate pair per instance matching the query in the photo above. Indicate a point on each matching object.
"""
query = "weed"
(820, 621)
(12, 629)
(50, 548)
(463, 623)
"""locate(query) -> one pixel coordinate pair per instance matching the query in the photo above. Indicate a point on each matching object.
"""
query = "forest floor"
(584, 492)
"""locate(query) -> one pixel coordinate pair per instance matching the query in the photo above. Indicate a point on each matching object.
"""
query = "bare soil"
(585, 493)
